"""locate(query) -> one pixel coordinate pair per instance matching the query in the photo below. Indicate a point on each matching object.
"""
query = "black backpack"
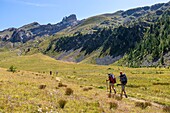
(123, 78)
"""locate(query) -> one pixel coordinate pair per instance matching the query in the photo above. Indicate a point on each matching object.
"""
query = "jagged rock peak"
(70, 18)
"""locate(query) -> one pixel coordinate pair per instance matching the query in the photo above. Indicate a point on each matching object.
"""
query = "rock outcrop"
(21, 35)
(51, 29)
(32, 30)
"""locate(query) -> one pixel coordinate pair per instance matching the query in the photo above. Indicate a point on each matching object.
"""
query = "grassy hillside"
(6, 54)
(104, 42)
(87, 82)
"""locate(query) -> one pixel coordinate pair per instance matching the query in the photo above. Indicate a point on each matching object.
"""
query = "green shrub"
(68, 91)
(62, 103)
(101, 87)
(12, 69)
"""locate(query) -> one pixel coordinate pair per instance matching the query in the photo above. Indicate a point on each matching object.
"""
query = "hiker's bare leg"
(121, 94)
(110, 88)
(114, 88)
(121, 91)
(124, 92)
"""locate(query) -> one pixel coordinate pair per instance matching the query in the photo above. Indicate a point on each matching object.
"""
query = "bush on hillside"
(12, 69)
(42, 86)
(68, 91)
(142, 105)
(62, 103)
(60, 84)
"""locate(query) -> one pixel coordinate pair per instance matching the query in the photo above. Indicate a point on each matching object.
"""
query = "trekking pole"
(107, 85)
(119, 84)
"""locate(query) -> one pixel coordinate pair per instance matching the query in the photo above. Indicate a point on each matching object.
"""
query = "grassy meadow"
(76, 88)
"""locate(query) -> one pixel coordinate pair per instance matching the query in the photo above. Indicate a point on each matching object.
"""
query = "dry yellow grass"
(20, 91)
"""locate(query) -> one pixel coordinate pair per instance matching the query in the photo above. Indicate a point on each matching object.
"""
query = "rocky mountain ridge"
(32, 30)
(116, 19)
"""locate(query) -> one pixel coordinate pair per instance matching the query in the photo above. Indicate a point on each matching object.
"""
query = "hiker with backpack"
(123, 80)
(112, 81)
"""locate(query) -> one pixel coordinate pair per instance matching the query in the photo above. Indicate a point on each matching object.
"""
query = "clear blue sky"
(15, 13)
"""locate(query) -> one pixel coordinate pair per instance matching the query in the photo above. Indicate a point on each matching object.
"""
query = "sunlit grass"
(20, 90)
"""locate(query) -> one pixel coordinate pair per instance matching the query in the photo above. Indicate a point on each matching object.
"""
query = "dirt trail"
(124, 106)
(140, 100)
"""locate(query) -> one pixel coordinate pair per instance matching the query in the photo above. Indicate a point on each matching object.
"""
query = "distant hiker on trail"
(123, 80)
(112, 81)
(51, 72)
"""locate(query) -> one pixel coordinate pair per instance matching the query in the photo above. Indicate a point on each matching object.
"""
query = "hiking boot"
(121, 95)
(126, 96)
(115, 91)
(109, 95)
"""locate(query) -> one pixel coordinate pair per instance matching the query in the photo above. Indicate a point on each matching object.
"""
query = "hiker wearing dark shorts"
(112, 81)
(123, 80)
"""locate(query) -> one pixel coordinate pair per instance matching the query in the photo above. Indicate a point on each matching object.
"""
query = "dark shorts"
(124, 83)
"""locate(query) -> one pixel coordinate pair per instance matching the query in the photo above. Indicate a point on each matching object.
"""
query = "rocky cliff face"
(21, 35)
(50, 29)
(32, 30)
